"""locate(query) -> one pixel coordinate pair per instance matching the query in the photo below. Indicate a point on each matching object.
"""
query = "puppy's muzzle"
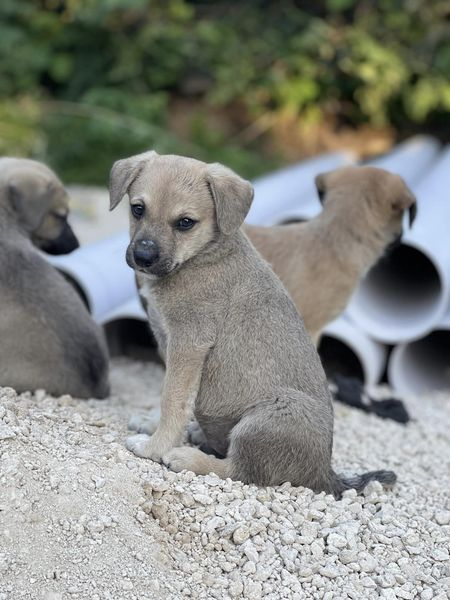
(66, 242)
(145, 253)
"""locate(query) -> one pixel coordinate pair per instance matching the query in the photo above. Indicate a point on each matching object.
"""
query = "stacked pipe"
(402, 301)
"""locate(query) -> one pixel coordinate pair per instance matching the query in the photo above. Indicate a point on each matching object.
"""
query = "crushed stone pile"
(83, 518)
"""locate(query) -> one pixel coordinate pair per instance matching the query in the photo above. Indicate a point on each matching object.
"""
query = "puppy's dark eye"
(137, 210)
(185, 224)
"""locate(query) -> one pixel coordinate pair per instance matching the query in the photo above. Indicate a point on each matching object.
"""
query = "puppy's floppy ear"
(20, 193)
(232, 197)
(321, 186)
(406, 201)
(122, 175)
(15, 197)
(412, 210)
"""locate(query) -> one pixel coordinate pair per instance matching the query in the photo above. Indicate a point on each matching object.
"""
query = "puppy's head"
(178, 208)
(35, 200)
(370, 198)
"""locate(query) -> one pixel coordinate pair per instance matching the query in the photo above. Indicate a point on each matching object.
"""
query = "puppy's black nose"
(145, 253)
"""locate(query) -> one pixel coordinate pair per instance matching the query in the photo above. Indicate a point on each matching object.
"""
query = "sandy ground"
(82, 518)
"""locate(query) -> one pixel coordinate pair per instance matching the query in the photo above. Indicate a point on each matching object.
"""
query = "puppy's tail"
(359, 482)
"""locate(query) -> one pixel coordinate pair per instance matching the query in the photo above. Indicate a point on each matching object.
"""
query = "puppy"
(235, 348)
(48, 339)
(320, 262)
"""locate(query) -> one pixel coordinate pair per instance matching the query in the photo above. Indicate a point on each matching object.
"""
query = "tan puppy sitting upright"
(236, 351)
(321, 261)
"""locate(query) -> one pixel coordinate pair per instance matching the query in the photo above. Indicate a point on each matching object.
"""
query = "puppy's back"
(48, 338)
(263, 343)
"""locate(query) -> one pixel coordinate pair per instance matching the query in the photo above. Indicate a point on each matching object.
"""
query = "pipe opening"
(424, 365)
(292, 220)
(132, 338)
(338, 358)
(402, 292)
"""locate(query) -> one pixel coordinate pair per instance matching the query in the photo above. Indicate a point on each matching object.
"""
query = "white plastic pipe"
(128, 333)
(290, 194)
(411, 159)
(131, 309)
(407, 293)
(347, 350)
(101, 273)
(422, 366)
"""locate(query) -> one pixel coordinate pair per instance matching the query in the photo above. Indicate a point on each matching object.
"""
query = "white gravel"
(82, 518)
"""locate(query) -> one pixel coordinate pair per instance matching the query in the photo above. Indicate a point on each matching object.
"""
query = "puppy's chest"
(175, 311)
(155, 316)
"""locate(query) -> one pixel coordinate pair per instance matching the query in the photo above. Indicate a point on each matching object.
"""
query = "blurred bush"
(83, 82)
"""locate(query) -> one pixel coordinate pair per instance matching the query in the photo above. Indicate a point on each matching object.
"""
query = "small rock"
(203, 499)
(288, 536)
(126, 584)
(6, 433)
(213, 524)
(252, 590)
(373, 488)
(317, 548)
(154, 585)
(442, 517)
(330, 571)
(251, 552)
(227, 566)
(367, 582)
(336, 540)
(348, 556)
(403, 593)
(440, 554)
(249, 567)
(235, 589)
(367, 562)
(159, 511)
(241, 534)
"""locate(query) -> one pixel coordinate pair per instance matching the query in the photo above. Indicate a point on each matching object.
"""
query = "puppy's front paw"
(145, 423)
(180, 459)
(144, 446)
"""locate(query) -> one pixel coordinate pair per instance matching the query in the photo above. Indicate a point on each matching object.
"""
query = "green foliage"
(83, 82)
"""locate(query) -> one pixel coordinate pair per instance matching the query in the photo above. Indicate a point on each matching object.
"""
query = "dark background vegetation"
(253, 84)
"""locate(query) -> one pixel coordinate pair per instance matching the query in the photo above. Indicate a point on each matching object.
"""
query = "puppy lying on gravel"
(235, 348)
(322, 261)
(47, 338)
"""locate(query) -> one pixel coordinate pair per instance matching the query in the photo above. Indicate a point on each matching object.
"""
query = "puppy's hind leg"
(289, 438)
(285, 438)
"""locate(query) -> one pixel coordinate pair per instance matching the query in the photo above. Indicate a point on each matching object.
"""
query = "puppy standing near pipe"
(321, 261)
(235, 348)
(47, 338)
